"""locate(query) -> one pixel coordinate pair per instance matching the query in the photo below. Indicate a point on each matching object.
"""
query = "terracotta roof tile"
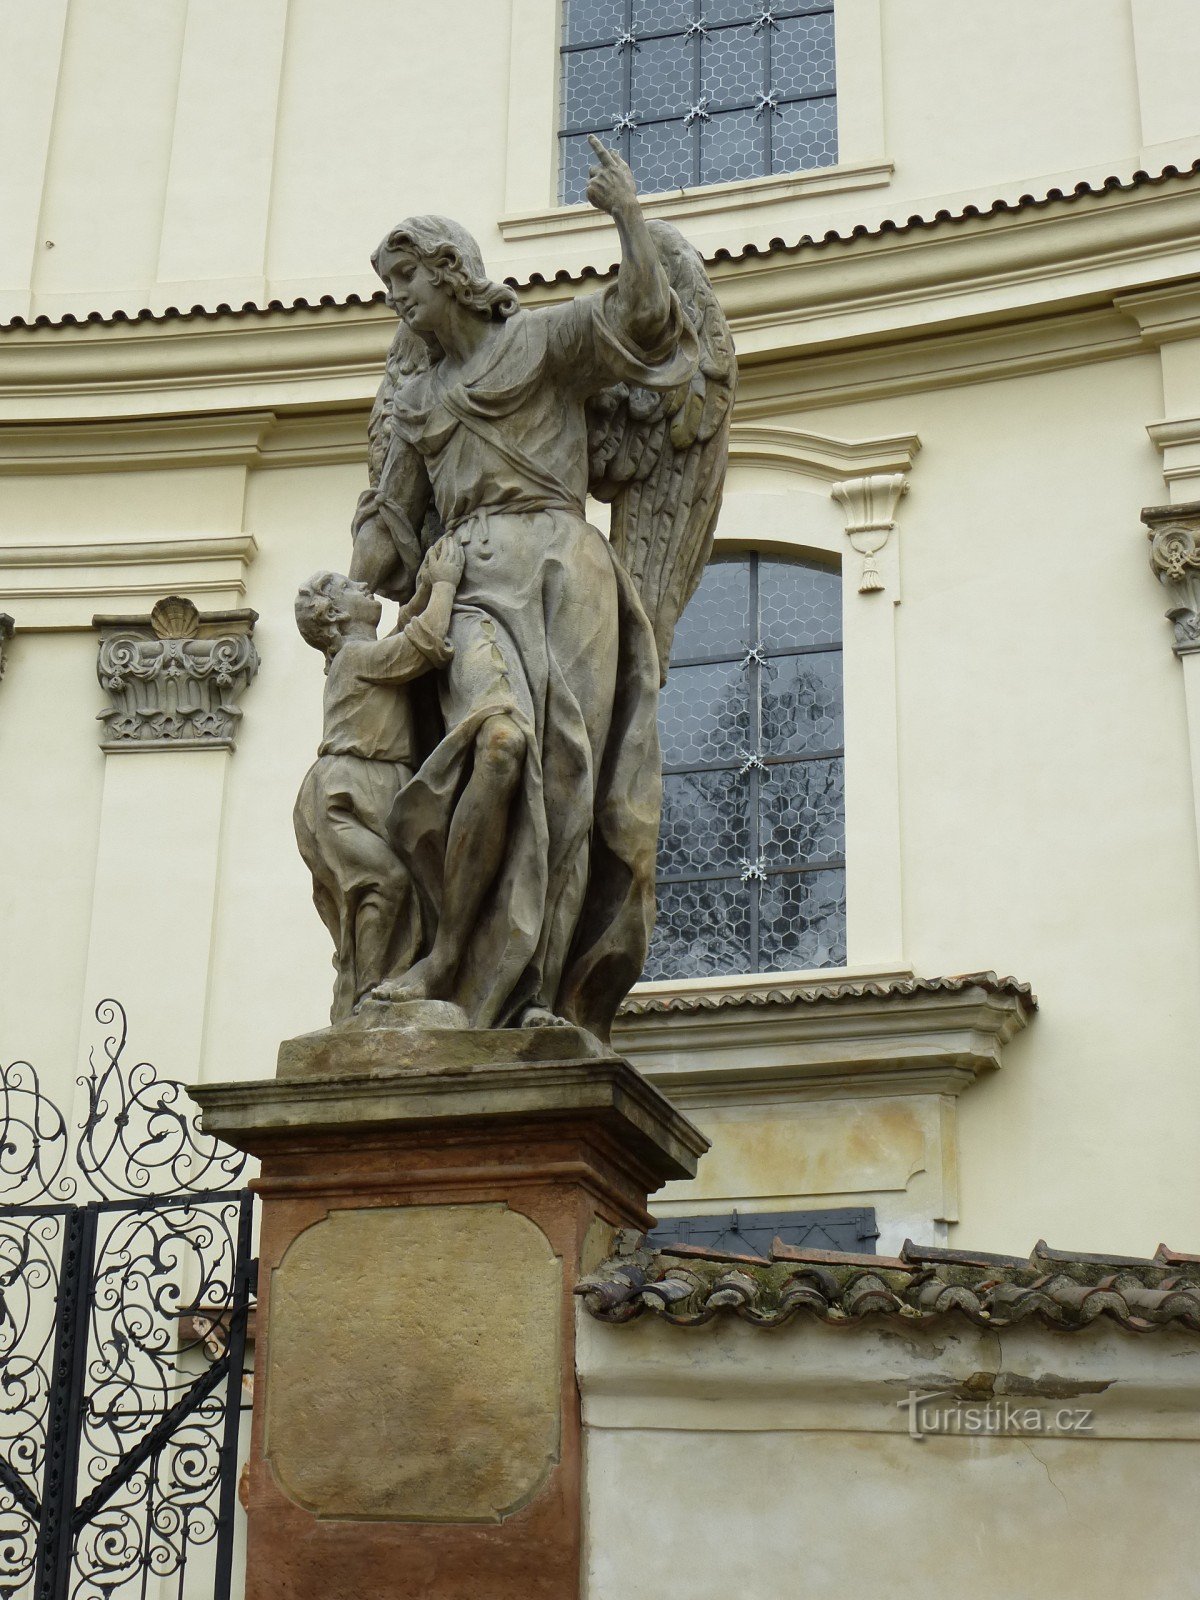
(814, 992)
(688, 1287)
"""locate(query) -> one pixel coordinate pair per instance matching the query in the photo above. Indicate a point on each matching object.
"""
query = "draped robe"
(547, 629)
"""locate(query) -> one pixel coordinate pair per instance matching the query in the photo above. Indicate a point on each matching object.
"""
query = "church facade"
(929, 872)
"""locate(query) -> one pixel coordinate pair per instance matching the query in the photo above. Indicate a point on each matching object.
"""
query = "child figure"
(360, 887)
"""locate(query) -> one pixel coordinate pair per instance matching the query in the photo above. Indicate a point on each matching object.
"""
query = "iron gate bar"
(245, 1289)
(52, 1568)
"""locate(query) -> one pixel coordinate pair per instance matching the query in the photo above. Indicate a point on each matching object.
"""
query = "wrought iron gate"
(124, 1240)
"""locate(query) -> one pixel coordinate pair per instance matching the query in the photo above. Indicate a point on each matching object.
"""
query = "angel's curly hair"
(453, 257)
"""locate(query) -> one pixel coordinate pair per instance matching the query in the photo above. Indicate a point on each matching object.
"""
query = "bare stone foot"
(539, 1016)
(428, 980)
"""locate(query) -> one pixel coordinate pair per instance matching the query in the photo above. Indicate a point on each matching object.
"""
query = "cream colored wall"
(1046, 803)
(179, 151)
(778, 1463)
(1013, 682)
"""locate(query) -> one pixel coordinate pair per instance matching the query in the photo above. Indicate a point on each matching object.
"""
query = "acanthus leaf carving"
(1174, 534)
(174, 677)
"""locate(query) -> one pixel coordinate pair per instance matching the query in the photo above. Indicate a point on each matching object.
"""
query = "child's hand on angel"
(443, 564)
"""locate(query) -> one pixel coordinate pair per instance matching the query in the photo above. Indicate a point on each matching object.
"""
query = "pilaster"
(172, 678)
(1174, 533)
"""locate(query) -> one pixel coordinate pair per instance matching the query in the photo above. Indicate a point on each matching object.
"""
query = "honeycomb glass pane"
(593, 88)
(802, 57)
(660, 16)
(705, 824)
(574, 158)
(802, 921)
(798, 604)
(717, 619)
(733, 66)
(703, 930)
(593, 19)
(663, 156)
(730, 10)
(804, 135)
(732, 146)
(704, 715)
(662, 79)
(803, 821)
(802, 704)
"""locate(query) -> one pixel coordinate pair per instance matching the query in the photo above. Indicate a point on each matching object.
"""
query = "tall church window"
(697, 91)
(751, 855)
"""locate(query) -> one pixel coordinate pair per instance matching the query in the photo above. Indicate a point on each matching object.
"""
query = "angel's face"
(417, 297)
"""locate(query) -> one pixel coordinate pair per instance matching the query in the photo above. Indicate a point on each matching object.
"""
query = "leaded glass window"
(751, 853)
(697, 91)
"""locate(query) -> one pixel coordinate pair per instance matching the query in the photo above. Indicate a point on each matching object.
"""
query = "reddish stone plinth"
(428, 1203)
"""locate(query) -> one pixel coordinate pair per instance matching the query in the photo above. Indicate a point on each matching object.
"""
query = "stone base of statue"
(429, 1199)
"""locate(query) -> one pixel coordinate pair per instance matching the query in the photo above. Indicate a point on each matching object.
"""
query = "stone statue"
(361, 888)
(528, 831)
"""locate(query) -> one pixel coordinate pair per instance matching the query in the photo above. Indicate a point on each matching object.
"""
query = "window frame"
(780, 480)
(531, 208)
(756, 761)
(701, 108)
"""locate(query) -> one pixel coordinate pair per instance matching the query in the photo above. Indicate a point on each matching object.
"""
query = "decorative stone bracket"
(7, 629)
(870, 506)
(1174, 534)
(174, 677)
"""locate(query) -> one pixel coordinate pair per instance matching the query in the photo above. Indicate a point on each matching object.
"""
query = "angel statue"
(529, 829)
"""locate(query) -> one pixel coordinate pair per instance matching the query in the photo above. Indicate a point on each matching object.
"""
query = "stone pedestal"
(429, 1199)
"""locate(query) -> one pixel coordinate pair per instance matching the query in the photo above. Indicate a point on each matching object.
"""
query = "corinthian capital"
(1174, 534)
(174, 677)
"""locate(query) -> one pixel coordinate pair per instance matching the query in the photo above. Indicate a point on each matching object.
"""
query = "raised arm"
(642, 303)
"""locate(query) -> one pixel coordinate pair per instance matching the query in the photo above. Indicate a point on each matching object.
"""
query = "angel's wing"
(660, 458)
(408, 354)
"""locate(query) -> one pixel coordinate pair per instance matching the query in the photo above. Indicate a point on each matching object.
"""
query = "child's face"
(357, 602)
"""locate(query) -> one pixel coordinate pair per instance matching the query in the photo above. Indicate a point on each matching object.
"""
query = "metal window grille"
(751, 852)
(697, 91)
(849, 1230)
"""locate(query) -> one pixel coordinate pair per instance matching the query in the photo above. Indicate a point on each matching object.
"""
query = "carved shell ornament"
(175, 618)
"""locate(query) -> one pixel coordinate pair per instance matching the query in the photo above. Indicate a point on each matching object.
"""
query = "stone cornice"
(681, 206)
(822, 1040)
(1094, 253)
(819, 455)
(137, 444)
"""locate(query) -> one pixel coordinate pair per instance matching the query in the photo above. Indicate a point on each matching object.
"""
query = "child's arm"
(421, 645)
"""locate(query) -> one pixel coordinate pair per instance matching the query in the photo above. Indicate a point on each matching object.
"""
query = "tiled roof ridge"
(1027, 202)
(814, 991)
(689, 1287)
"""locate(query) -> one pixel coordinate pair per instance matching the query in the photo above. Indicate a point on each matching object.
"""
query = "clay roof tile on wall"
(808, 241)
(689, 1287)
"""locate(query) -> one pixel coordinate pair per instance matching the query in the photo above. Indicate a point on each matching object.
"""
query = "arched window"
(751, 856)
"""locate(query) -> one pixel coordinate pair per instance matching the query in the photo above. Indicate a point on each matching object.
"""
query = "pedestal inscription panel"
(415, 1363)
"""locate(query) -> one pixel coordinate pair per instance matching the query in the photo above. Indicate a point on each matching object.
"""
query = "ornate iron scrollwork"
(118, 1426)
